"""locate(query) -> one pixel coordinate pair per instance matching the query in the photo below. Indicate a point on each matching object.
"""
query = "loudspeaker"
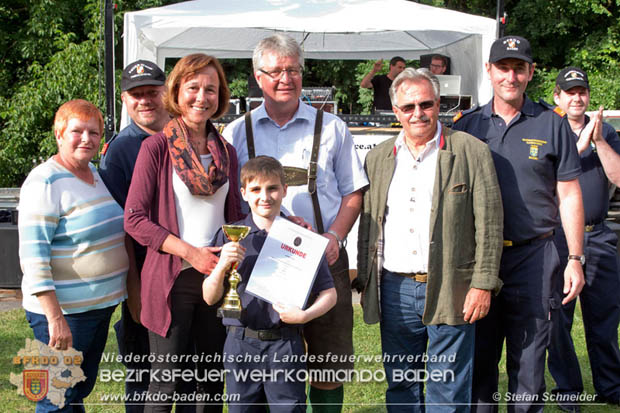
(11, 274)
(252, 103)
(253, 88)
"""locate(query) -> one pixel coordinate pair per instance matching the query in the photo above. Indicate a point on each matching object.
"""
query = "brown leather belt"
(508, 243)
(420, 277)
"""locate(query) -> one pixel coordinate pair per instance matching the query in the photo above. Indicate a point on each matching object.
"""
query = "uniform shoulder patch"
(104, 149)
(554, 108)
(464, 112)
(106, 145)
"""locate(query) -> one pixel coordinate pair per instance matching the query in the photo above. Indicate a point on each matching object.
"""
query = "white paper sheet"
(287, 264)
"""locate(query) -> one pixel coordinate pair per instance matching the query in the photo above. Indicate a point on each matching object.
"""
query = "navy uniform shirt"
(530, 154)
(116, 169)
(119, 159)
(593, 181)
(259, 314)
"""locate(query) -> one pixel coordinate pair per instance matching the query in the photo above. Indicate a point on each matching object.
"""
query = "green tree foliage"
(51, 51)
(584, 33)
(51, 57)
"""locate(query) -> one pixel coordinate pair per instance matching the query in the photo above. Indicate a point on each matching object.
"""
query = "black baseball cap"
(570, 77)
(142, 73)
(514, 47)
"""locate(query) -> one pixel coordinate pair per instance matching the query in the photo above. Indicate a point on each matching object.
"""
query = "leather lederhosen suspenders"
(294, 176)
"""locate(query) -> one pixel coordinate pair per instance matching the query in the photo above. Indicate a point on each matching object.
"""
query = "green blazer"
(465, 229)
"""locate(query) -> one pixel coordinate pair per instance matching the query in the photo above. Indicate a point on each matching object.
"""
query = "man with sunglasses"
(324, 177)
(537, 167)
(429, 246)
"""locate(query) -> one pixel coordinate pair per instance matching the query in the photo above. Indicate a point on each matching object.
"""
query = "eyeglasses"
(410, 108)
(277, 74)
(437, 66)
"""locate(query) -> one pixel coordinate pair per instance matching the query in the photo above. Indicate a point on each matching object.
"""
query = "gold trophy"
(231, 308)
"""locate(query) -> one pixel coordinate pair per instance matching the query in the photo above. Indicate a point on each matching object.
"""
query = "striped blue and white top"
(71, 240)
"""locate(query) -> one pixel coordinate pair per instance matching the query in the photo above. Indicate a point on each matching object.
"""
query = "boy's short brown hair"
(259, 167)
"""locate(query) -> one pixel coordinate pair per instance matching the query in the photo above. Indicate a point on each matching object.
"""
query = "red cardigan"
(150, 216)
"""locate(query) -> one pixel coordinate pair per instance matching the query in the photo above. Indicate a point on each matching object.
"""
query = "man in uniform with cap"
(537, 167)
(599, 148)
(142, 85)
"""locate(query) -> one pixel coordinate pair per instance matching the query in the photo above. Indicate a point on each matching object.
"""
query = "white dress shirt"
(408, 209)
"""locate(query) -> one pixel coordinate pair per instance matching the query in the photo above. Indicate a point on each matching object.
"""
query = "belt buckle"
(421, 278)
(589, 228)
(267, 335)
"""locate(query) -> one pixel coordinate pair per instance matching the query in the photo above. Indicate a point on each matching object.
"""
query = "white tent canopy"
(327, 29)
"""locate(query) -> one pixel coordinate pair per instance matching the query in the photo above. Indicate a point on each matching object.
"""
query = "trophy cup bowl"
(231, 307)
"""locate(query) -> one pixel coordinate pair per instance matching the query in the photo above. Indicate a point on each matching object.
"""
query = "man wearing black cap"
(142, 85)
(537, 167)
(599, 149)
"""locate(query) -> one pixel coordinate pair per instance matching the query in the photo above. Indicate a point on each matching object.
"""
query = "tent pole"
(110, 119)
(500, 18)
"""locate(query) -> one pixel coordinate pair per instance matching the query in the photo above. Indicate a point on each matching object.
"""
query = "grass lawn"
(359, 396)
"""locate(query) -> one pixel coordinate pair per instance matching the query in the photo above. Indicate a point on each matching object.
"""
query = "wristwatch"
(580, 258)
(340, 241)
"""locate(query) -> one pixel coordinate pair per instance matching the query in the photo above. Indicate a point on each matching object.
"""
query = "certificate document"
(287, 264)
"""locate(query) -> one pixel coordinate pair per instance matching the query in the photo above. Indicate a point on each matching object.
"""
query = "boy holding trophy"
(265, 340)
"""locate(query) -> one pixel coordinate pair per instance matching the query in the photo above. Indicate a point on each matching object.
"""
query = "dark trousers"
(90, 333)
(600, 308)
(194, 329)
(333, 331)
(133, 340)
(520, 316)
(281, 393)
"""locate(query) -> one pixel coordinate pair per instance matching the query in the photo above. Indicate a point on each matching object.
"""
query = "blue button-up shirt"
(340, 171)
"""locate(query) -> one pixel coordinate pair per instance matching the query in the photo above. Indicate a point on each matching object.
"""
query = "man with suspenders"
(324, 177)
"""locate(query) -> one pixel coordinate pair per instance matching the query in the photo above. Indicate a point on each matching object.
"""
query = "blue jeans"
(90, 332)
(414, 353)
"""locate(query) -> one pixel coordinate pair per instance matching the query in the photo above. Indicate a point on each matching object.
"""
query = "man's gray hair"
(414, 75)
(281, 44)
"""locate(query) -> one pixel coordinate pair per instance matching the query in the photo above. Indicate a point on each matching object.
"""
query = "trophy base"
(229, 313)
